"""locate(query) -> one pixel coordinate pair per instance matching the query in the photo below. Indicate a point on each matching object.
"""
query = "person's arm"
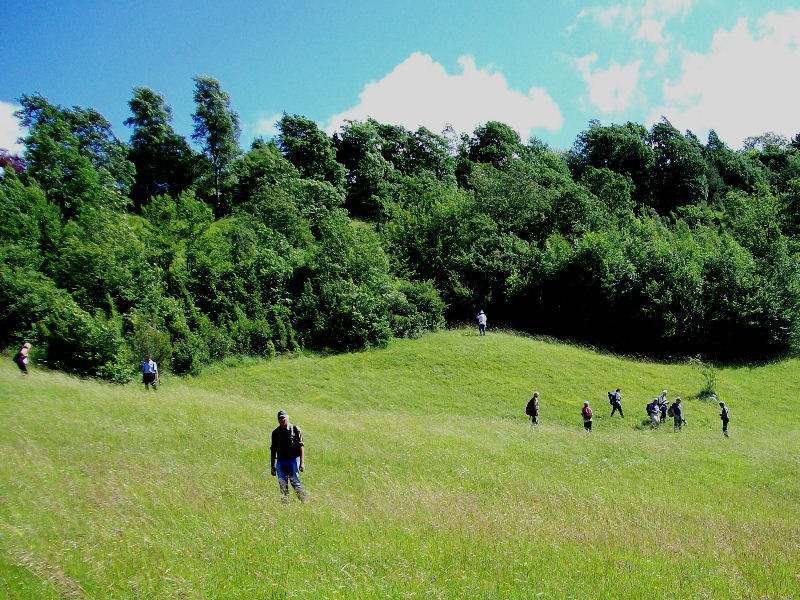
(302, 458)
(272, 455)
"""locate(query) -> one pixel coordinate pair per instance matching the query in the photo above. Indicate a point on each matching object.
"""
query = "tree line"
(637, 240)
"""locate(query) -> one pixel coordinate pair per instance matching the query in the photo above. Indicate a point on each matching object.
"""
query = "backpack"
(530, 408)
(612, 397)
(587, 413)
(671, 410)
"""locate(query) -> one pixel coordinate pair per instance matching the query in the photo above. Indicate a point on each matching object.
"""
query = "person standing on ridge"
(482, 323)
(586, 413)
(616, 403)
(725, 418)
(286, 449)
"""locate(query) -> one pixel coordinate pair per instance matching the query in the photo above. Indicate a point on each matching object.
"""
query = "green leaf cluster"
(646, 241)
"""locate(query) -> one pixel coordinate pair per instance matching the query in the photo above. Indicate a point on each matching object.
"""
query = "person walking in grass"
(21, 357)
(482, 323)
(677, 415)
(532, 409)
(586, 413)
(652, 412)
(616, 402)
(725, 418)
(149, 372)
(287, 456)
(662, 405)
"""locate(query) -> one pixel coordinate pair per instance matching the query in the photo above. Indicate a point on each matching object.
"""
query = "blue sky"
(544, 67)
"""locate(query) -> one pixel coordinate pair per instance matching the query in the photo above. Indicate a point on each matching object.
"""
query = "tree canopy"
(636, 239)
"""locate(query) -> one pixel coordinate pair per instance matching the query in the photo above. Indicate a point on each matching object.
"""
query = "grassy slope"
(423, 476)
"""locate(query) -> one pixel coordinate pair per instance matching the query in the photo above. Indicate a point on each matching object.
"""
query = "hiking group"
(657, 411)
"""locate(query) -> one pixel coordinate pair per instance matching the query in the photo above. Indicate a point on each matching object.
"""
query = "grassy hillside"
(424, 480)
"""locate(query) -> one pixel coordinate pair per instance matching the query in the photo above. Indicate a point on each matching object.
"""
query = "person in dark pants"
(286, 449)
(149, 372)
(616, 403)
(725, 418)
(482, 323)
(586, 413)
(677, 415)
(532, 409)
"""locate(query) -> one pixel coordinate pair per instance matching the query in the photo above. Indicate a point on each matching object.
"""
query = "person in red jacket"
(586, 413)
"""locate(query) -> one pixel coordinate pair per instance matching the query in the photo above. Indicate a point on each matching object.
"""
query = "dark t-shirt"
(286, 442)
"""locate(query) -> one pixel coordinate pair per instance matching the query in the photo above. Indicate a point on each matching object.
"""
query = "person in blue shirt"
(149, 372)
(616, 402)
(677, 414)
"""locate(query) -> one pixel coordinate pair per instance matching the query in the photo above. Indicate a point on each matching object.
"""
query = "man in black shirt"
(287, 447)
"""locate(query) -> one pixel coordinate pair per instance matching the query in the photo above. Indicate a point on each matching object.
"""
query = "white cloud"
(646, 22)
(10, 129)
(651, 30)
(419, 91)
(744, 85)
(267, 126)
(611, 89)
(666, 8)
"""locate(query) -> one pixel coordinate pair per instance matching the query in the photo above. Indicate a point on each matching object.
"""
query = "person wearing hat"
(286, 449)
(725, 418)
(482, 323)
(586, 413)
(662, 405)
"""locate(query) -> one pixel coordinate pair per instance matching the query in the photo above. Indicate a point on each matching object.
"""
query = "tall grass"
(424, 480)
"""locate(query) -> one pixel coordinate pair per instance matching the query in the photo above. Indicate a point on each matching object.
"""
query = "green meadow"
(424, 479)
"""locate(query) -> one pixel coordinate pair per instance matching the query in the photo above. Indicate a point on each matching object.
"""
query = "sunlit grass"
(424, 480)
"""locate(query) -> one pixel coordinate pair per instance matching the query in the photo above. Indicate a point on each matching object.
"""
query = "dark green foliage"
(310, 150)
(679, 173)
(165, 164)
(216, 128)
(642, 241)
(495, 144)
(623, 149)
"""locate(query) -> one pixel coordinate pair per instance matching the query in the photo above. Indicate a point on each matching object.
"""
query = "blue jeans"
(287, 471)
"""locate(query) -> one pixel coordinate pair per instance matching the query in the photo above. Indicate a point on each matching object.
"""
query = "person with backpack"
(287, 457)
(677, 415)
(615, 399)
(482, 323)
(586, 413)
(725, 418)
(652, 412)
(532, 409)
(21, 357)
